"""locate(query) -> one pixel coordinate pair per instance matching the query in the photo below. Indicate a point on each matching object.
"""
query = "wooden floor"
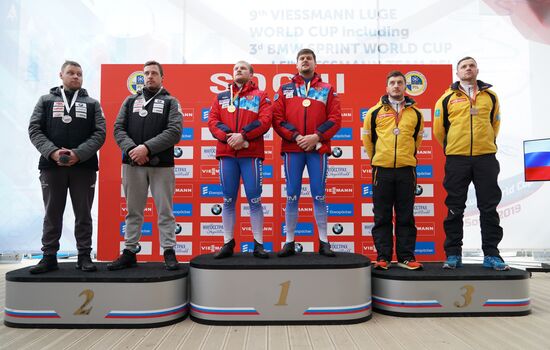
(381, 332)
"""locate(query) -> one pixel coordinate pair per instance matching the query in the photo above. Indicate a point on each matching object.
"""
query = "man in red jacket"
(306, 114)
(238, 119)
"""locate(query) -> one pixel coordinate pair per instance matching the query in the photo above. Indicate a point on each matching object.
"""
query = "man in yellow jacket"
(466, 124)
(392, 132)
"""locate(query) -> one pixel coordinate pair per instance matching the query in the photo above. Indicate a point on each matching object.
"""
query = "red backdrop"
(197, 184)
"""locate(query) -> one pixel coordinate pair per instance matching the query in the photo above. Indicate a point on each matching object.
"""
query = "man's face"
(153, 80)
(71, 77)
(306, 64)
(396, 87)
(467, 70)
(241, 73)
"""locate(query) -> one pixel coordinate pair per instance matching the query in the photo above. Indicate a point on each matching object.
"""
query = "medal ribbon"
(66, 103)
(234, 98)
(399, 113)
(151, 99)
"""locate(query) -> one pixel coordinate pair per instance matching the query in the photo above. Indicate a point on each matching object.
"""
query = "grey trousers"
(136, 181)
(80, 183)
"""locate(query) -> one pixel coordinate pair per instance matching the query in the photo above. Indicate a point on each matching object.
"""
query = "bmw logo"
(178, 229)
(337, 229)
(178, 152)
(418, 190)
(216, 209)
(298, 247)
(337, 152)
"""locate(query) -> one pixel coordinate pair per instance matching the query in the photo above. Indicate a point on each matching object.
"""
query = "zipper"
(471, 132)
(237, 122)
(395, 153)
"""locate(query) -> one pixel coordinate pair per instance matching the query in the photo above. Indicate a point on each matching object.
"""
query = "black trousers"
(483, 171)
(80, 183)
(393, 188)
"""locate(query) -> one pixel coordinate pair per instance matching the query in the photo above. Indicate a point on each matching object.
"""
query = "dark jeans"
(80, 183)
(393, 188)
(483, 171)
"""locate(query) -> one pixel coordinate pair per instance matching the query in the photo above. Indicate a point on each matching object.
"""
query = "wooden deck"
(381, 332)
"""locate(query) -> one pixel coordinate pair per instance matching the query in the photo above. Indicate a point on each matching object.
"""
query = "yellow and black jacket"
(383, 146)
(460, 132)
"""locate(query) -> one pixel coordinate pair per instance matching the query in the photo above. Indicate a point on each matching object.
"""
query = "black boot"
(85, 263)
(226, 251)
(125, 260)
(288, 249)
(324, 249)
(259, 251)
(170, 261)
(47, 263)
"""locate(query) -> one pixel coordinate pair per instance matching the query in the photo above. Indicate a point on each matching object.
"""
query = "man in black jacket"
(67, 127)
(146, 130)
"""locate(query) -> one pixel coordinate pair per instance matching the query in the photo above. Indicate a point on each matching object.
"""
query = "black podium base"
(468, 291)
(144, 296)
(303, 289)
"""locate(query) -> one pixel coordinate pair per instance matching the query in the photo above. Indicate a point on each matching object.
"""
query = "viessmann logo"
(340, 190)
(209, 172)
(303, 209)
(183, 190)
(207, 247)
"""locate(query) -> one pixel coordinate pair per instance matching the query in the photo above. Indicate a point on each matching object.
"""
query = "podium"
(141, 297)
(306, 288)
(471, 290)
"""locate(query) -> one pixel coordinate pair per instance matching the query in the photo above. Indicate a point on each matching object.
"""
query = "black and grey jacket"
(159, 130)
(83, 133)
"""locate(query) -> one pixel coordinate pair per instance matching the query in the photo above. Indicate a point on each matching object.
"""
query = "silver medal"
(143, 113)
(67, 119)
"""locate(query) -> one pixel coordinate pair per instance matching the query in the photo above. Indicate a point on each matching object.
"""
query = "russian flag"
(537, 160)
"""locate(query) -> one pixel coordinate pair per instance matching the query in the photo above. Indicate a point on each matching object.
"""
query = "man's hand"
(73, 158)
(308, 142)
(139, 155)
(235, 141)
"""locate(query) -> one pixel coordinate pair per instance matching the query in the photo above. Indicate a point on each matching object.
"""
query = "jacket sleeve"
(217, 128)
(438, 127)
(122, 138)
(261, 125)
(366, 133)
(280, 122)
(334, 117)
(496, 117)
(88, 148)
(171, 135)
(418, 140)
(38, 138)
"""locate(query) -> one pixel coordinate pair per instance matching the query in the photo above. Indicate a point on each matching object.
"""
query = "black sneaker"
(226, 251)
(324, 249)
(288, 249)
(259, 251)
(85, 263)
(170, 261)
(125, 260)
(46, 264)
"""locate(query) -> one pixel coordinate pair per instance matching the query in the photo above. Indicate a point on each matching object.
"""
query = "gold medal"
(231, 108)
(474, 111)
(396, 131)
(306, 102)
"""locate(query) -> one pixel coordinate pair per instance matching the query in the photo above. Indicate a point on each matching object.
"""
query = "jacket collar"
(300, 80)
(480, 85)
(57, 91)
(408, 101)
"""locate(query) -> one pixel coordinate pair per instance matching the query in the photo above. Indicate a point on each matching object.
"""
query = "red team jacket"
(252, 118)
(291, 118)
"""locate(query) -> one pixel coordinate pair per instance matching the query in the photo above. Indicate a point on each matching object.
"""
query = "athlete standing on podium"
(466, 124)
(306, 114)
(67, 127)
(147, 127)
(392, 133)
(238, 119)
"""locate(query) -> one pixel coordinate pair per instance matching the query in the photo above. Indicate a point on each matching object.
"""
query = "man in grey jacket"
(146, 130)
(67, 127)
